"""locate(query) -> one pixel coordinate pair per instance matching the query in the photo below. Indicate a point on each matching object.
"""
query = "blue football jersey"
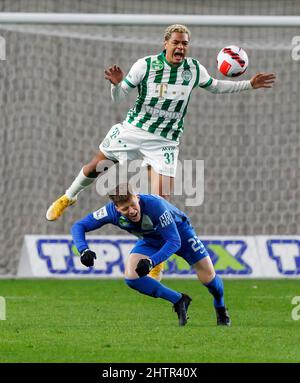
(161, 223)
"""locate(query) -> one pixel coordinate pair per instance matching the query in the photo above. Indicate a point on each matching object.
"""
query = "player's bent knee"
(207, 277)
(204, 276)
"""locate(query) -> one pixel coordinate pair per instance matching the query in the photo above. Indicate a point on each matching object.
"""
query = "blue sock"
(149, 286)
(216, 288)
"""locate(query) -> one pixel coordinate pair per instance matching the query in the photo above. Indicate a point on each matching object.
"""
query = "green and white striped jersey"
(164, 93)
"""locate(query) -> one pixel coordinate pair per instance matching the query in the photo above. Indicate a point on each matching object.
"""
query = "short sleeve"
(136, 73)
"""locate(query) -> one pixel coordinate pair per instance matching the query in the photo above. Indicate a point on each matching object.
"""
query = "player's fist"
(87, 257)
(143, 267)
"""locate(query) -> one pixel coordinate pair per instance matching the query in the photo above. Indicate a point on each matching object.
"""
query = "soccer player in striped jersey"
(154, 125)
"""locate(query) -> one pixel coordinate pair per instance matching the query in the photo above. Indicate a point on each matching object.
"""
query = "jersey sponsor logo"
(101, 213)
(157, 65)
(161, 89)
(156, 112)
(165, 219)
(186, 75)
(169, 91)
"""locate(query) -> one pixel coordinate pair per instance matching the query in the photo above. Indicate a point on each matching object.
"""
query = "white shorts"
(130, 143)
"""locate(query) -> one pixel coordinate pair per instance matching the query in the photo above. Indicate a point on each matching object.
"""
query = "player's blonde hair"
(122, 193)
(180, 28)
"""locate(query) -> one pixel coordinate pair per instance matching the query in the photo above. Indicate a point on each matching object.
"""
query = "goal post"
(148, 19)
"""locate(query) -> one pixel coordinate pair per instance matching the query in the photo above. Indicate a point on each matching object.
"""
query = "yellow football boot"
(157, 272)
(58, 207)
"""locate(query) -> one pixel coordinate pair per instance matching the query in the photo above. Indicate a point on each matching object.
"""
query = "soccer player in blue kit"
(162, 230)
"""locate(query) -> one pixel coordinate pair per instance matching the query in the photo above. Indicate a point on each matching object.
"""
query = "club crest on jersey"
(157, 65)
(123, 221)
(186, 75)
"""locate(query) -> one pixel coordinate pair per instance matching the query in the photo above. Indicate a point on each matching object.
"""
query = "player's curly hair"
(176, 28)
(121, 193)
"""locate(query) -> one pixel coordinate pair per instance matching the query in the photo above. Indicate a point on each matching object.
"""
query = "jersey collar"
(126, 221)
(162, 56)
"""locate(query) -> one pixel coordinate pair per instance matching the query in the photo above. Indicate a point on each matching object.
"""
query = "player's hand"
(263, 80)
(87, 258)
(143, 267)
(114, 74)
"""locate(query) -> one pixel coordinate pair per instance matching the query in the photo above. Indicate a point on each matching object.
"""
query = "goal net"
(56, 109)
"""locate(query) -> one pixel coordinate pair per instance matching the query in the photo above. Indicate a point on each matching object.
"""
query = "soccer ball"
(232, 61)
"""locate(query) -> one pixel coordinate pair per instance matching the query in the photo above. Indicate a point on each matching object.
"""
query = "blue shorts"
(192, 249)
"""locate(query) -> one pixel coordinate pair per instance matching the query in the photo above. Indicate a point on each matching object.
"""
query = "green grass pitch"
(105, 321)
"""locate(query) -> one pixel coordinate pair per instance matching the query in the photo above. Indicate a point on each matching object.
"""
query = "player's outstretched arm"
(263, 80)
(114, 74)
(260, 80)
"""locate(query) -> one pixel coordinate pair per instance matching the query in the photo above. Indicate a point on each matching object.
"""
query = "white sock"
(80, 183)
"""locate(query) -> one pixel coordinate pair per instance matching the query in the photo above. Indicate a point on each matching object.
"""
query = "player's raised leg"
(149, 286)
(207, 275)
(87, 175)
